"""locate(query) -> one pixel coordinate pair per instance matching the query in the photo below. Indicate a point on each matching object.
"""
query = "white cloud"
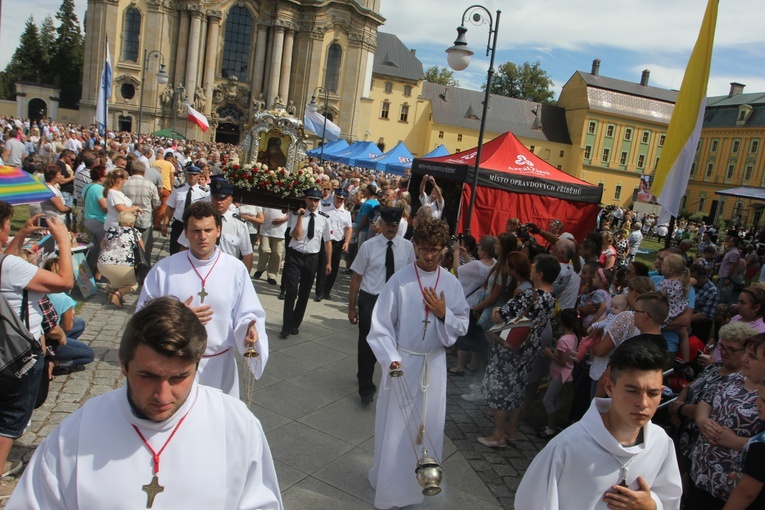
(648, 25)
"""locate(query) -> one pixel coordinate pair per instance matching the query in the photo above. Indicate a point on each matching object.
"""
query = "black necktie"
(188, 199)
(311, 226)
(389, 266)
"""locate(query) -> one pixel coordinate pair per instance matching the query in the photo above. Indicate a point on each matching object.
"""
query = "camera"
(42, 222)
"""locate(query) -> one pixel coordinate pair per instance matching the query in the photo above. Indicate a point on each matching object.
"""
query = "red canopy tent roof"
(514, 182)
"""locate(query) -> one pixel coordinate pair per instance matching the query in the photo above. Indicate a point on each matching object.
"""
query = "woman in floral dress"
(507, 374)
(726, 421)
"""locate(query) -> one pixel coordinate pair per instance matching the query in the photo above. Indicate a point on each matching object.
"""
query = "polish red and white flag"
(197, 118)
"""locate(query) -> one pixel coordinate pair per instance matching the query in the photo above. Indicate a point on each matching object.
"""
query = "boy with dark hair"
(107, 454)
(614, 457)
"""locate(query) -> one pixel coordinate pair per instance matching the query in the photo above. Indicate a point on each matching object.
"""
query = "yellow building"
(617, 130)
(391, 109)
(227, 58)
(400, 106)
(730, 156)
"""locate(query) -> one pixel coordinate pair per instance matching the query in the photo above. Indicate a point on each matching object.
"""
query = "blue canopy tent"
(356, 151)
(401, 168)
(398, 154)
(334, 146)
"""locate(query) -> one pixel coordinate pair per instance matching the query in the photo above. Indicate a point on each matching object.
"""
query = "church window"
(334, 59)
(132, 35)
(127, 91)
(404, 114)
(236, 46)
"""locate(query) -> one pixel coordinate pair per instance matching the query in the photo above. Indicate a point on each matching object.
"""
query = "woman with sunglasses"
(726, 418)
(116, 200)
(683, 410)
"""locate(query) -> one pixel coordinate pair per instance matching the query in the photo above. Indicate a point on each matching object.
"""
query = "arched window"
(332, 76)
(236, 46)
(132, 34)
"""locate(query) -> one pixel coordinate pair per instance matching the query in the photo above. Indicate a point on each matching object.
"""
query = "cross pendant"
(152, 490)
(425, 330)
(202, 294)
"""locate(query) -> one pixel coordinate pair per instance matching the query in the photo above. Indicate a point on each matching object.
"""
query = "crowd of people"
(528, 309)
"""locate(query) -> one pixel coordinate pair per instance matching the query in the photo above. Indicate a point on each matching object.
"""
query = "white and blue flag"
(104, 93)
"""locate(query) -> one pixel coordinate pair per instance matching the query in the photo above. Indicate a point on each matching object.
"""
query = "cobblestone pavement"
(310, 391)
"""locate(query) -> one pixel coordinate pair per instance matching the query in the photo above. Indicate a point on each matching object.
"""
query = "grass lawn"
(20, 215)
(653, 247)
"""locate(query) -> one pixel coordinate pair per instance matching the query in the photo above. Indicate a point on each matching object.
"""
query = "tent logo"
(402, 159)
(527, 166)
(521, 160)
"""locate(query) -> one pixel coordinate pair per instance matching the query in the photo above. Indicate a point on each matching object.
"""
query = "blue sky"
(563, 35)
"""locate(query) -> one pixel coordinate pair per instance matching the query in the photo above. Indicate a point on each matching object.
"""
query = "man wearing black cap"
(378, 258)
(309, 228)
(341, 228)
(179, 200)
(234, 234)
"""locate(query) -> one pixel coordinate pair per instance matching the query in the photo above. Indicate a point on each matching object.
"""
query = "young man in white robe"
(614, 457)
(420, 311)
(217, 287)
(211, 452)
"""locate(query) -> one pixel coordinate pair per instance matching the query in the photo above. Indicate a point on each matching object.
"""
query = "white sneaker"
(476, 396)
(476, 387)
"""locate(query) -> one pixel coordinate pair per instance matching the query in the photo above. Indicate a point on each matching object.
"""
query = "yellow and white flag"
(674, 169)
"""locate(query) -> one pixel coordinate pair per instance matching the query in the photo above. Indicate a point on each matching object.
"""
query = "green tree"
(25, 63)
(67, 59)
(527, 81)
(441, 75)
(48, 43)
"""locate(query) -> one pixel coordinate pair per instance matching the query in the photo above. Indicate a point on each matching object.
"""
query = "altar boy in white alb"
(218, 289)
(162, 441)
(420, 311)
(614, 457)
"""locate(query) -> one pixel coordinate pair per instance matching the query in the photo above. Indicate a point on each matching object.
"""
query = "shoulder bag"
(514, 333)
(141, 261)
(18, 348)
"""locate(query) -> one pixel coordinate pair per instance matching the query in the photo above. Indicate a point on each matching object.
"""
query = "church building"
(227, 59)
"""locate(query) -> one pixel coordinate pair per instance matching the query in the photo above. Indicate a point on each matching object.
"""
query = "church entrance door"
(227, 133)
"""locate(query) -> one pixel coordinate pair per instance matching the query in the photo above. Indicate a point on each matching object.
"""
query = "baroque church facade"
(228, 59)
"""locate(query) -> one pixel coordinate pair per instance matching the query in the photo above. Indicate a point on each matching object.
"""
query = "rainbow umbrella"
(18, 187)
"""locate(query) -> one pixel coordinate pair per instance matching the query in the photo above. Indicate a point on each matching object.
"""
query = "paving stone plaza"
(321, 435)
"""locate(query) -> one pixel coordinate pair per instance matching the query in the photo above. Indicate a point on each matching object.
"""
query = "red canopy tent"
(514, 183)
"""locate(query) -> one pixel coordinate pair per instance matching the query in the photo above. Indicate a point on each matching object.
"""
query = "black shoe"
(368, 398)
(281, 295)
(328, 297)
(294, 331)
(318, 298)
(271, 281)
(68, 370)
(257, 275)
(283, 334)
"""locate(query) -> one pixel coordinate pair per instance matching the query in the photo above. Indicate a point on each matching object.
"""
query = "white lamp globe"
(458, 57)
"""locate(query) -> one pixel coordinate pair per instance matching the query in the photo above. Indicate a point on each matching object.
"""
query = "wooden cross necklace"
(427, 310)
(154, 488)
(202, 293)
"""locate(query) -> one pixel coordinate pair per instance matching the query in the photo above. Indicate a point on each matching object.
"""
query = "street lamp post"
(458, 57)
(314, 107)
(162, 78)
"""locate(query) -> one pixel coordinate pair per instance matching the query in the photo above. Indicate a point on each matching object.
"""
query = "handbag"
(18, 348)
(514, 333)
(141, 264)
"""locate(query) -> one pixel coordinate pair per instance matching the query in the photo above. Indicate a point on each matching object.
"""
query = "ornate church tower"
(227, 58)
